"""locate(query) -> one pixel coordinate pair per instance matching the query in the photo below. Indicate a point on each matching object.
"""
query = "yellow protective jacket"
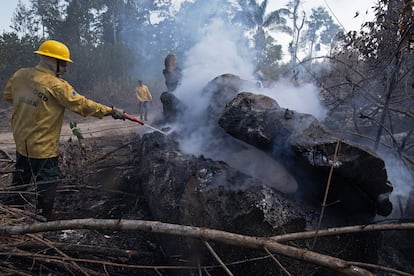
(143, 93)
(39, 100)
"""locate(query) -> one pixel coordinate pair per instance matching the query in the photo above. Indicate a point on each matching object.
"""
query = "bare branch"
(278, 262)
(216, 256)
(60, 253)
(379, 267)
(80, 248)
(333, 263)
(343, 230)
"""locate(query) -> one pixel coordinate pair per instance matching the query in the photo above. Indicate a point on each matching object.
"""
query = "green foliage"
(25, 21)
(50, 14)
(80, 23)
(76, 130)
(321, 29)
(269, 64)
(78, 134)
(253, 16)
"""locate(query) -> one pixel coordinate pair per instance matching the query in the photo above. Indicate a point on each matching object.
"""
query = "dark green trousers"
(44, 174)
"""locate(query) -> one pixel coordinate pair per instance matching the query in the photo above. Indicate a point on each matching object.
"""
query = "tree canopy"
(113, 43)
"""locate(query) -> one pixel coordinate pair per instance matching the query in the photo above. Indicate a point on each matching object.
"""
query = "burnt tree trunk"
(359, 184)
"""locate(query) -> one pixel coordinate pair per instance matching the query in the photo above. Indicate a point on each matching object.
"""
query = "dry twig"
(222, 264)
(343, 230)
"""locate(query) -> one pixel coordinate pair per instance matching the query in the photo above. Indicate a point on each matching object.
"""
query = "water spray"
(132, 118)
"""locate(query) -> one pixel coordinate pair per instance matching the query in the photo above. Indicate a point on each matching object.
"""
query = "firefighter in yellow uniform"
(39, 97)
(144, 97)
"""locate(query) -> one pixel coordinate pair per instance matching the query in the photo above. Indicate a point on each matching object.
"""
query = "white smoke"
(402, 181)
(218, 52)
(302, 98)
(223, 49)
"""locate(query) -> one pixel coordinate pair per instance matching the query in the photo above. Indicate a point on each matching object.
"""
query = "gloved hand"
(117, 114)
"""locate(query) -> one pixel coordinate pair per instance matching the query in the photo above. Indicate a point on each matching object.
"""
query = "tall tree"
(120, 20)
(321, 29)
(269, 64)
(24, 21)
(298, 18)
(51, 14)
(80, 25)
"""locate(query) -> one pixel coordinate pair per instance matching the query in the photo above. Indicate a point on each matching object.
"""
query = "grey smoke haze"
(303, 98)
(402, 181)
(220, 50)
(222, 47)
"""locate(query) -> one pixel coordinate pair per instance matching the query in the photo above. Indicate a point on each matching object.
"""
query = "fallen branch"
(216, 256)
(80, 249)
(386, 269)
(343, 230)
(10, 271)
(62, 260)
(74, 264)
(5, 153)
(278, 262)
(333, 263)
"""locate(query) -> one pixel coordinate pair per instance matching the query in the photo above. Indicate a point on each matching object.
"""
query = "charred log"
(206, 192)
(198, 191)
(201, 192)
(307, 148)
(221, 89)
(172, 107)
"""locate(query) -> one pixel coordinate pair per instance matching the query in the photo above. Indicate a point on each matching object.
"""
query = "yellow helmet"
(54, 49)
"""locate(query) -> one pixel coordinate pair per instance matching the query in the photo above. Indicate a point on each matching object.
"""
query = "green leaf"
(77, 132)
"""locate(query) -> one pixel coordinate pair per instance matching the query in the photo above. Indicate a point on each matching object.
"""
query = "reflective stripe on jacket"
(39, 100)
(143, 94)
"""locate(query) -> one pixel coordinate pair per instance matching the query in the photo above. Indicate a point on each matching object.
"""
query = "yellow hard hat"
(54, 49)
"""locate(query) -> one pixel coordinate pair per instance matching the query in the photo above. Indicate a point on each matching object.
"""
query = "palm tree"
(254, 17)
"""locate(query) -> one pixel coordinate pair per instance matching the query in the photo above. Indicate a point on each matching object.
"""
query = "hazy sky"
(343, 10)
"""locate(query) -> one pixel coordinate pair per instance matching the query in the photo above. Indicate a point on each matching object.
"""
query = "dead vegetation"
(89, 239)
(24, 242)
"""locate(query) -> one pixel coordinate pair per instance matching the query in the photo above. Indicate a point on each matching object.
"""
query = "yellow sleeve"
(72, 100)
(7, 94)
(149, 94)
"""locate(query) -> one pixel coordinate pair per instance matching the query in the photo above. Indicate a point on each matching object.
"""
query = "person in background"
(144, 97)
(39, 98)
